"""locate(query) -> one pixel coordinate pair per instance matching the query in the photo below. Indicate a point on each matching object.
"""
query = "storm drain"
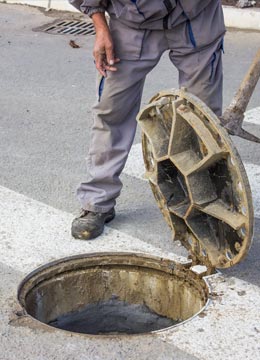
(71, 27)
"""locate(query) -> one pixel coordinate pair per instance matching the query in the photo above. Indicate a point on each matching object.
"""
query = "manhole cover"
(197, 178)
(71, 27)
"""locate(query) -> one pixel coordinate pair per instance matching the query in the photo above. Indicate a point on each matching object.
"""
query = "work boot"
(90, 224)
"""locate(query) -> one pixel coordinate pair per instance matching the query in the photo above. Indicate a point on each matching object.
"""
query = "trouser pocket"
(128, 42)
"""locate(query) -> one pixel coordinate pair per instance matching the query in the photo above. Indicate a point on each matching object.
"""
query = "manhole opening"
(113, 317)
(71, 27)
(112, 294)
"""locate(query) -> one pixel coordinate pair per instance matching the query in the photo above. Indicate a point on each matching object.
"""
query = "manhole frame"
(25, 319)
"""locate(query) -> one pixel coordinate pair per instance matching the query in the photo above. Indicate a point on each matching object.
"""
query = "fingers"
(109, 67)
(102, 66)
(110, 54)
(101, 69)
(100, 63)
(105, 60)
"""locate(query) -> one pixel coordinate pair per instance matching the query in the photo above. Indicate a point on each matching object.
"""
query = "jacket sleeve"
(92, 10)
(86, 6)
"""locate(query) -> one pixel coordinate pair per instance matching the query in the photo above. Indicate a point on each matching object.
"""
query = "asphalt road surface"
(47, 89)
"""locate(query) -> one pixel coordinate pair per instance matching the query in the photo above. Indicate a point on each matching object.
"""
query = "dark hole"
(112, 317)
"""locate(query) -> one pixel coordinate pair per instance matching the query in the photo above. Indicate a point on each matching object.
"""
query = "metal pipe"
(233, 116)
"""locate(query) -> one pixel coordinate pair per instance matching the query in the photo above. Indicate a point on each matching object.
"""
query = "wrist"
(100, 23)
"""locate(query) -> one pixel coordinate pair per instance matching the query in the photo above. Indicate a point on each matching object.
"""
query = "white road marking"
(135, 163)
(253, 173)
(253, 116)
(33, 234)
(135, 167)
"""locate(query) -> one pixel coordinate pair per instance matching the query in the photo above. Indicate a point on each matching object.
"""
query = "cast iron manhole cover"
(71, 27)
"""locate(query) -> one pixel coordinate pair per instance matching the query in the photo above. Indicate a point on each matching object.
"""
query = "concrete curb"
(247, 19)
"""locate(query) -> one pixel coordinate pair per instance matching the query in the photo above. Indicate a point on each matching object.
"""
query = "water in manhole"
(113, 293)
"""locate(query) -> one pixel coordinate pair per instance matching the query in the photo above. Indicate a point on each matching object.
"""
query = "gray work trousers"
(197, 57)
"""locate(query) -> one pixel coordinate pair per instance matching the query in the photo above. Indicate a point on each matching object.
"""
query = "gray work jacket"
(148, 14)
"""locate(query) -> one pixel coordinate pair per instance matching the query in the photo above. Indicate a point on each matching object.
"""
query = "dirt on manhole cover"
(71, 27)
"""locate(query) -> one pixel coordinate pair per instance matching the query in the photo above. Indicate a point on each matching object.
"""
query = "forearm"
(103, 51)
(100, 22)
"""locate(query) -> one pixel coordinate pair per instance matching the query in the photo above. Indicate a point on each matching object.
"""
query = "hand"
(104, 52)
(103, 49)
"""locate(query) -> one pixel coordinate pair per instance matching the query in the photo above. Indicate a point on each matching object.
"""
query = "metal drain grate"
(72, 27)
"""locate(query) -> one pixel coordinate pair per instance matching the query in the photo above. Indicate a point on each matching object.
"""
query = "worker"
(126, 49)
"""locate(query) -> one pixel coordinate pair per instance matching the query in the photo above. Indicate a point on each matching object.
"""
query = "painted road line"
(135, 163)
(135, 167)
(253, 116)
(33, 233)
(253, 173)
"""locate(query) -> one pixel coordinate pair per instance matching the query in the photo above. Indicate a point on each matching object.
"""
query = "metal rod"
(233, 116)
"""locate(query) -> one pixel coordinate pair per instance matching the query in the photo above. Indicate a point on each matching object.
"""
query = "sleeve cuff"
(89, 10)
